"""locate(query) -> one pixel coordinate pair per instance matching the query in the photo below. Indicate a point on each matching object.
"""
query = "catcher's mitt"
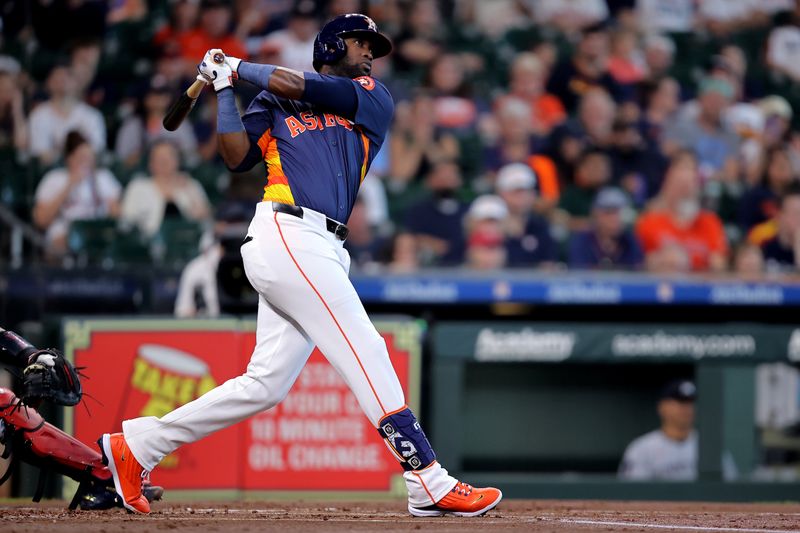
(49, 376)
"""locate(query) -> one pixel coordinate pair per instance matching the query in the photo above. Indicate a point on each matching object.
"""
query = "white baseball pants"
(300, 271)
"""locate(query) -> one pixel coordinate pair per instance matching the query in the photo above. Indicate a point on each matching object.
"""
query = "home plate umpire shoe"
(127, 472)
(462, 500)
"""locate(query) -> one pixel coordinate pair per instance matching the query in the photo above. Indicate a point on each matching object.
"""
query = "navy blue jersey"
(316, 155)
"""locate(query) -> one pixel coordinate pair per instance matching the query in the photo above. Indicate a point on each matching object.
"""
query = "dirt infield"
(511, 515)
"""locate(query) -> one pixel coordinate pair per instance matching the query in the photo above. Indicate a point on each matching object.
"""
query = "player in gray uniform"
(670, 452)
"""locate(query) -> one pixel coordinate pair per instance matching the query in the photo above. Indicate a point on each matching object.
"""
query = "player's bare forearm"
(233, 147)
(287, 83)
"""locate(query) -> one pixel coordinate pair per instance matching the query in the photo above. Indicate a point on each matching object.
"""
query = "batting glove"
(233, 62)
(215, 70)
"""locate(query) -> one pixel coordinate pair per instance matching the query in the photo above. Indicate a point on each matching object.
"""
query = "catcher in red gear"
(25, 436)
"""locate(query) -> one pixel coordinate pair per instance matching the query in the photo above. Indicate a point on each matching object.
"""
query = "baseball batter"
(318, 134)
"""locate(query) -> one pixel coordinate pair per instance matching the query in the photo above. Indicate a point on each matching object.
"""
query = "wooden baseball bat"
(180, 108)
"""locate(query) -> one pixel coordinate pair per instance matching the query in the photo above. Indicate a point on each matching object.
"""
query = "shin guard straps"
(406, 440)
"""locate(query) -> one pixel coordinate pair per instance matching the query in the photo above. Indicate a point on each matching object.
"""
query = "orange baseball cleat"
(128, 473)
(462, 500)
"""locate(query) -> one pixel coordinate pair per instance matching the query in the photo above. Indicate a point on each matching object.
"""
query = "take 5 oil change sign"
(317, 439)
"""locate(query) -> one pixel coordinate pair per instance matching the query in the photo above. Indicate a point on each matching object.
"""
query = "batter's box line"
(669, 526)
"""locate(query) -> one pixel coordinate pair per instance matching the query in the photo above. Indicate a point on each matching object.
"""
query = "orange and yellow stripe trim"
(366, 155)
(277, 188)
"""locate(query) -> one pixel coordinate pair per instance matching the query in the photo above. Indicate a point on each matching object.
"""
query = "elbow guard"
(14, 350)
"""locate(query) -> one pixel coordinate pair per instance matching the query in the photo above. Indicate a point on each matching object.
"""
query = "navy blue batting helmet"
(329, 46)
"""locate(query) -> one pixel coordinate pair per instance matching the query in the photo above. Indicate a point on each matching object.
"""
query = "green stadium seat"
(177, 242)
(213, 178)
(15, 187)
(90, 240)
(129, 248)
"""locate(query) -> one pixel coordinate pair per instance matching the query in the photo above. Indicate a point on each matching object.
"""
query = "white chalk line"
(671, 526)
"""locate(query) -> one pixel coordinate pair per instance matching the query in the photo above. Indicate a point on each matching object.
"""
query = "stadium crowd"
(652, 135)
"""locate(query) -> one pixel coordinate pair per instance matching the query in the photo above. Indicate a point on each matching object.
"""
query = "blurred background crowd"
(655, 135)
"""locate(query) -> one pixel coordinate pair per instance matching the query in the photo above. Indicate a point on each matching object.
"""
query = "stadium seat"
(176, 243)
(129, 248)
(213, 178)
(91, 240)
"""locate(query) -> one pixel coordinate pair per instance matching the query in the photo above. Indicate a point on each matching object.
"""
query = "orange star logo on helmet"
(366, 82)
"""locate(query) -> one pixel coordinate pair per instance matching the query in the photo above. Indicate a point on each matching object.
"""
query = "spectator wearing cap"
(485, 225)
(607, 244)
(214, 31)
(585, 70)
(165, 193)
(436, 222)
(528, 241)
(292, 47)
(777, 120)
(782, 252)
(592, 171)
(675, 221)
(670, 452)
(62, 113)
(702, 129)
(77, 191)
(141, 130)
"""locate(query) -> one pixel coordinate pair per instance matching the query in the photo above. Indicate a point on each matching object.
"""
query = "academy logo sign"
(524, 345)
(661, 344)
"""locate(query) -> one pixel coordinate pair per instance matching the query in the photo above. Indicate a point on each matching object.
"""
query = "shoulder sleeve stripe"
(263, 141)
(364, 140)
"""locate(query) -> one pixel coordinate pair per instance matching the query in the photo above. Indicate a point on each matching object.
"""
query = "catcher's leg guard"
(29, 438)
(45, 445)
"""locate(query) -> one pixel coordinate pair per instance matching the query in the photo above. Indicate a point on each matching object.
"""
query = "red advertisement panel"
(317, 439)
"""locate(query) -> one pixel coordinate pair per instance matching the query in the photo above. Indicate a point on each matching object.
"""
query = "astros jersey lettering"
(315, 158)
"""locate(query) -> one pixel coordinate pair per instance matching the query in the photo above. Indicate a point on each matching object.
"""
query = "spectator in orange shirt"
(528, 77)
(214, 31)
(626, 63)
(675, 219)
(183, 17)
